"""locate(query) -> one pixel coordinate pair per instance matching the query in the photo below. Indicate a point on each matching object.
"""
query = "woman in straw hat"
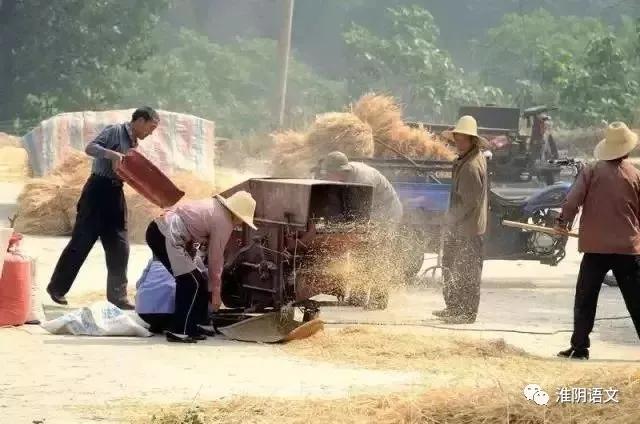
(609, 193)
(210, 222)
(467, 223)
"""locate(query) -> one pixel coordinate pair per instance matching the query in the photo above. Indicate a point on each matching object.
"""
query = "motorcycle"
(541, 207)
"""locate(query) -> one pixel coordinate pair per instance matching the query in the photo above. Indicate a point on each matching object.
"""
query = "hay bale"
(14, 164)
(382, 113)
(291, 155)
(340, 131)
(8, 140)
(374, 121)
(416, 143)
(39, 209)
(296, 153)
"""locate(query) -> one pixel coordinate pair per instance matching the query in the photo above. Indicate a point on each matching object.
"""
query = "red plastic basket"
(148, 180)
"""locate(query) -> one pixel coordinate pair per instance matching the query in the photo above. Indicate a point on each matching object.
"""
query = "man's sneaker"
(57, 298)
(443, 313)
(572, 353)
(459, 319)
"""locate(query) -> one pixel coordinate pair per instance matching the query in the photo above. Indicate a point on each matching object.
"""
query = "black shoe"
(57, 298)
(446, 312)
(124, 304)
(459, 319)
(208, 331)
(199, 337)
(179, 338)
(572, 353)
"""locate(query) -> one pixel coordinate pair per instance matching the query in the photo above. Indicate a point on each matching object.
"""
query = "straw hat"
(466, 125)
(619, 142)
(336, 161)
(242, 205)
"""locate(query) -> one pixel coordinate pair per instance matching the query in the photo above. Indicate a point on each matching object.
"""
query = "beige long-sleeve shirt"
(609, 194)
(469, 195)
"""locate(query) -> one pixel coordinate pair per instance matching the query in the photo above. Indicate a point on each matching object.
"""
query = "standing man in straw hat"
(609, 193)
(211, 222)
(102, 211)
(467, 223)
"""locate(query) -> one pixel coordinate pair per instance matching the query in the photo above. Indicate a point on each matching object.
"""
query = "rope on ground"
(445, 327)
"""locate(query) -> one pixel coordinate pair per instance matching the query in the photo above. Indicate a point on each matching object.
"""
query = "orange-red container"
(15, 285)
(148, 180)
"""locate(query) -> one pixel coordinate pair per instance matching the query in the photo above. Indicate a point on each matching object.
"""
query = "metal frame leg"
(438, 265)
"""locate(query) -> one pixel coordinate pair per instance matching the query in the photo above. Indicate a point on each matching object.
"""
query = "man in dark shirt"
(102, 211)
(609, 193)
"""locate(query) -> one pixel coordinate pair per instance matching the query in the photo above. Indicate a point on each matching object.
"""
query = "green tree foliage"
(410, 65)
(575, 63)
(54, 54)
(233, 84)
(602, 84)
(526, 51)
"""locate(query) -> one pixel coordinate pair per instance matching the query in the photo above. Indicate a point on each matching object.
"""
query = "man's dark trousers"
(593, 269)
(101, 214)
(462, 261)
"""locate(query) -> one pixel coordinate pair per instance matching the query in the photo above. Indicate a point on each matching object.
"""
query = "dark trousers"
(158, 323)
(102, 214)
(593, 269)
(191, 304)
(462, 273)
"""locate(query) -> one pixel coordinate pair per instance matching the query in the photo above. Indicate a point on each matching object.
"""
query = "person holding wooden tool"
(467, 223)
(609, 193)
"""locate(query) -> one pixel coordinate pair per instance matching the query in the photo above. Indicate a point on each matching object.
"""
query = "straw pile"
(344, 131)
(14, 160)
(8, 140)
(296, 153)
(47, 206)
(385, 117)
(466, 381)
(372, 122)
(442, 406)
(291, 157)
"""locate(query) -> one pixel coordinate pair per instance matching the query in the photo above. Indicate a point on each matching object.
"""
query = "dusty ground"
(76, 379)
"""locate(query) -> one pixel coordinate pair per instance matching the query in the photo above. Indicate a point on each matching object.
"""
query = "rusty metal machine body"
(301, 223)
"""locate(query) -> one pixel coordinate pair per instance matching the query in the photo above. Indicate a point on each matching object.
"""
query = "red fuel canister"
(15, 285)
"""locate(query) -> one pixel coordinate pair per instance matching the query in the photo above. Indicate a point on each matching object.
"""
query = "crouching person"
(210, 222)
(156, 294)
